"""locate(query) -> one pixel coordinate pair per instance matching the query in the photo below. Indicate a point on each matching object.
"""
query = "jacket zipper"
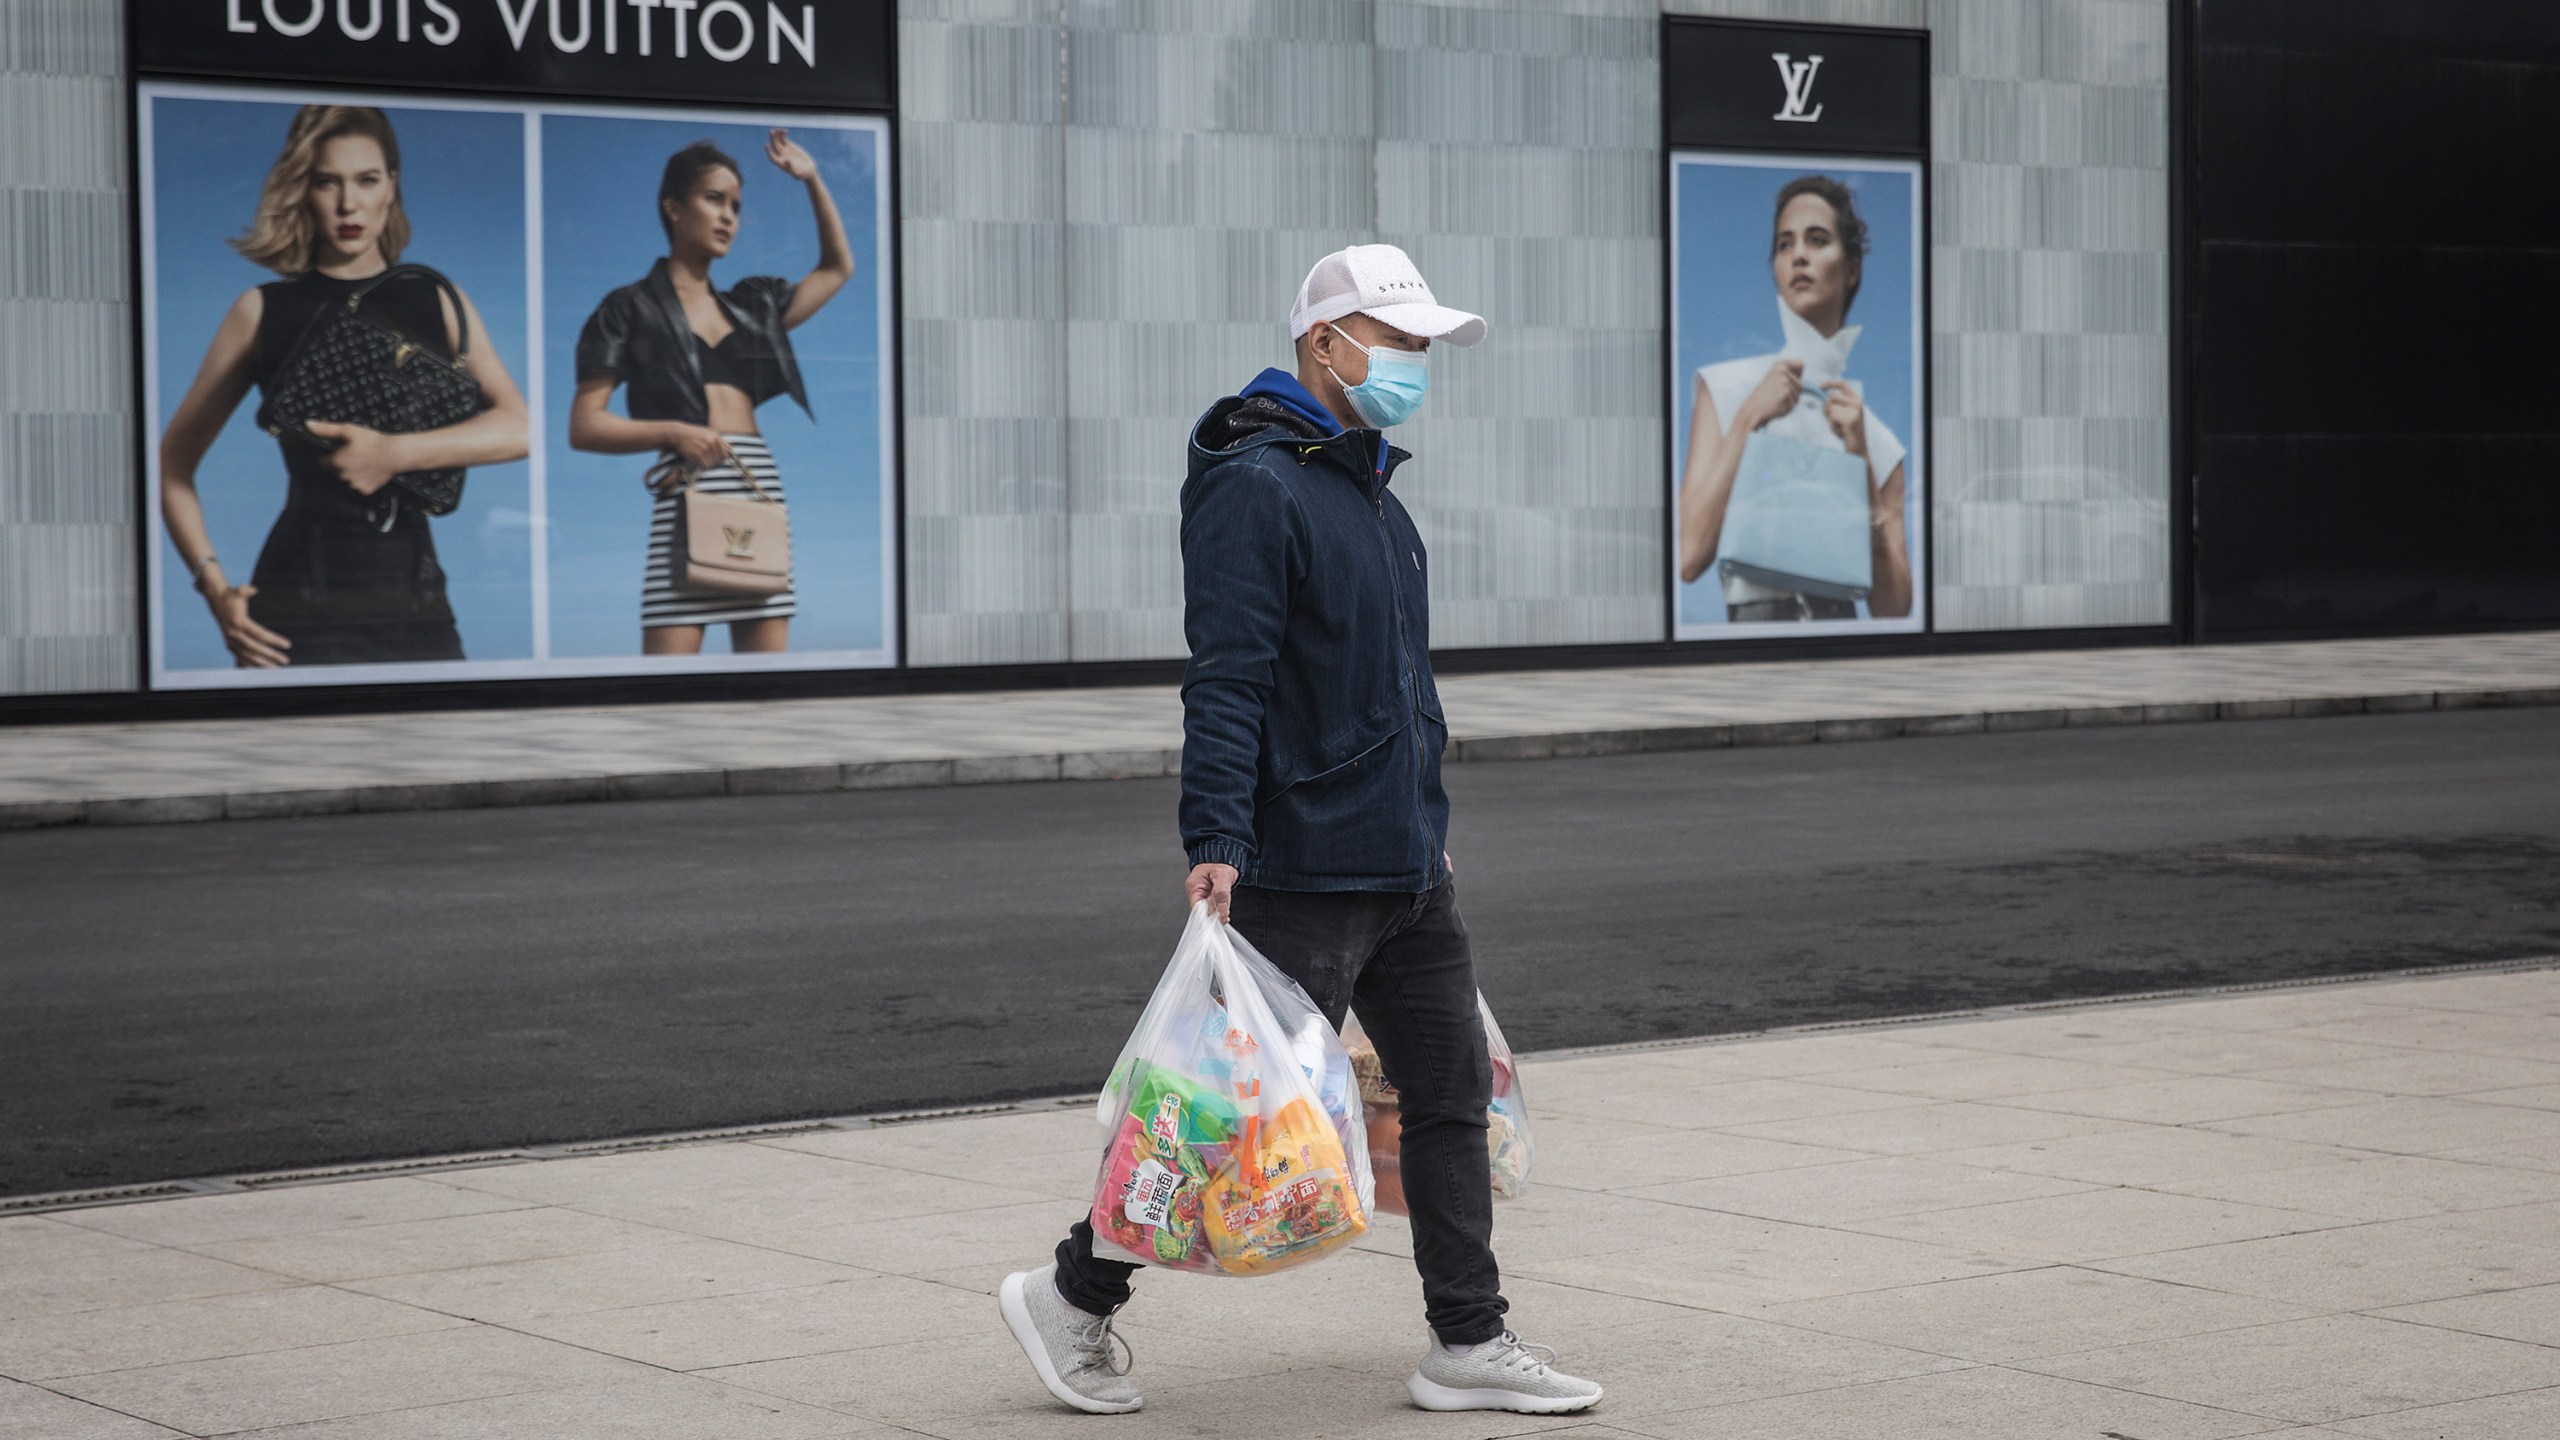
(1404, 656)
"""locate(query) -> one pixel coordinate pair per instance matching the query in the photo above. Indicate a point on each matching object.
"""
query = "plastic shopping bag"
(1232, 1132)
(1507, 1118)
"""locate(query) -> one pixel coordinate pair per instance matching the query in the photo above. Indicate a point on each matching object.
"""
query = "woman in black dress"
(698, 361)
(348, 574)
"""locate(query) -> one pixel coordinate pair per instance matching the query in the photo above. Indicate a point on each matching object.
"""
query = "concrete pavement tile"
(2191, 1098)
(1854, 1190)
(1705, 1359)
(1921, 1129)
(202, 1219)
(985, 1148)
(1780, 1057)
(921, 1244)
(2537, 1224)
(2074, 1034)
(330, 1382)
(1985, 1403)
(921, 1383)
(862, 1193)
(33, 1411)
(1732, 1262)
(643, 1407)
(2403, 1126)
(2290, 1009)
(2317, 1371)
(2364, 1267)
(2528, 992)
(1999, 1319)
(26, 1238)
(2383, 1187)
(2152, 1155)
(1979, 1076)
(2440, 1030)
(1552, 1223)
(2523, 1415)
(90, 1276)
(2531, 1314)
(2531, 1097)
(774, 1324)
(1720, 1105)
(454, 1242)
(733, 1170)
(2542, 1153)
(1578, 1153)
(1606, 1077)
(2091, 1225)
(2226, 1052)
(517, 1292)
(2426, 1072)
(125, 1337)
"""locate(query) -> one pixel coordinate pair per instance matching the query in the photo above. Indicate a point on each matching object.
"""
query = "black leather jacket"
(639, 335)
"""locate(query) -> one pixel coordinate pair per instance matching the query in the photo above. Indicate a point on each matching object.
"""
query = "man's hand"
(1214, 883)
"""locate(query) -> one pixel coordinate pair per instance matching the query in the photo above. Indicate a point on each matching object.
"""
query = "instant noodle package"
(1233, 1129)
(1506, 1119)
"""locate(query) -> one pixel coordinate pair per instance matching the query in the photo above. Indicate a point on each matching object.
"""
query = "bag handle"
(673, 472)
(461, 314)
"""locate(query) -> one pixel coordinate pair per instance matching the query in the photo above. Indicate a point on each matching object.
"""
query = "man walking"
(1312, 810)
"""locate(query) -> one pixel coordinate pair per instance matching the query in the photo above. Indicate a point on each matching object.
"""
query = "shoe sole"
(1431, 1395)
(1017, 1318)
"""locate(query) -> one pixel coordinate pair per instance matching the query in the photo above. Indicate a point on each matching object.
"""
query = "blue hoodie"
(1312, 730)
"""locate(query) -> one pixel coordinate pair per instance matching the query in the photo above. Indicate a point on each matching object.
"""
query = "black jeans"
(1402, 963)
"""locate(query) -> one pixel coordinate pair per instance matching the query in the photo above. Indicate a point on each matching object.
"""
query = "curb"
(1159, 763)
(106, 1195)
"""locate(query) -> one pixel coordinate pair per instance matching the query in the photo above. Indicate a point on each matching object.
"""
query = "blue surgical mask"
(1394, 389)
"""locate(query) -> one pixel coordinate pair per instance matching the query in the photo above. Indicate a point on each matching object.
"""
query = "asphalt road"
(192, 1000)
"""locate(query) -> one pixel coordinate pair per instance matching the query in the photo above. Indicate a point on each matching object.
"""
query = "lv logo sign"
(742, 541)
(1797, 76)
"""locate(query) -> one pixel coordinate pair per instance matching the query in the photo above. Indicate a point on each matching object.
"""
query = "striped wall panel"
(67, 603)
(981, 173)
(2051, 350)
(1518, 159)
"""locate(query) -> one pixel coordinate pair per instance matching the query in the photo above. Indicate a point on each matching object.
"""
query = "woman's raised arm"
(835, 252)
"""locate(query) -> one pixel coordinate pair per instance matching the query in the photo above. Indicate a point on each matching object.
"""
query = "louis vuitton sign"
(1736, 84)
(831, 53)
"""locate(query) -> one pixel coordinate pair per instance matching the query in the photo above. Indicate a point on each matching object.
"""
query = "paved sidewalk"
(246, 769)
(2329, 1211)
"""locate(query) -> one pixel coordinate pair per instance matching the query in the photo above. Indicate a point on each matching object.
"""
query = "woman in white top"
(1817, 253)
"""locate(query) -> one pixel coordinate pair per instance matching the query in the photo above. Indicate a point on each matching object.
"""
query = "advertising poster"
(447, 388)
(1798, 485)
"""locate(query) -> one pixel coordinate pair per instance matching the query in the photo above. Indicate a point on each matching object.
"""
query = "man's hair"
(281, 236)
(685, 169)
(1844, 211)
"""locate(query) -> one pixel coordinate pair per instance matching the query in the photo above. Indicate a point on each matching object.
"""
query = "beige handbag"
(725, 544)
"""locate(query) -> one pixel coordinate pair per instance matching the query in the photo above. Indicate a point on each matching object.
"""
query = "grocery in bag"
(1233, 1136)
(1506, 1119)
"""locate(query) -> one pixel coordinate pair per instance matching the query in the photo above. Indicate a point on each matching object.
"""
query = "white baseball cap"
(1379, 281)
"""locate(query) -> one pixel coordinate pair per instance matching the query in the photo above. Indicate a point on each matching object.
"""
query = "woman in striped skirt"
(697, 362)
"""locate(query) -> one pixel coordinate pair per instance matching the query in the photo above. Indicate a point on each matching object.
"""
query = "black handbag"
(357, 369)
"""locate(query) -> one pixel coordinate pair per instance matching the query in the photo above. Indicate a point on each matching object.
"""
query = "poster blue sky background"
(600, 177)
(1726, 304)
(462, 182)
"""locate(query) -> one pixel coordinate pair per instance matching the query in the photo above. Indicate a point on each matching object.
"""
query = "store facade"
(1071, 227)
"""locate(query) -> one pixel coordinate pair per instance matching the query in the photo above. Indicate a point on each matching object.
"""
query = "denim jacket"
(1311, 728)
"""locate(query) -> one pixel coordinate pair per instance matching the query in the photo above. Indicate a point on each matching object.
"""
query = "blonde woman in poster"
(1817, 258)
(349, 573)
(697, 361)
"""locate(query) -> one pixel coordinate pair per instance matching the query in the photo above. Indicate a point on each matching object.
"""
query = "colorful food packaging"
(1506, 1119)
(1235, 1139)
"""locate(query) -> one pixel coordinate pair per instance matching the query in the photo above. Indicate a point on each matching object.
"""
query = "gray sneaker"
(1071, 1349)
(1500, 1374)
